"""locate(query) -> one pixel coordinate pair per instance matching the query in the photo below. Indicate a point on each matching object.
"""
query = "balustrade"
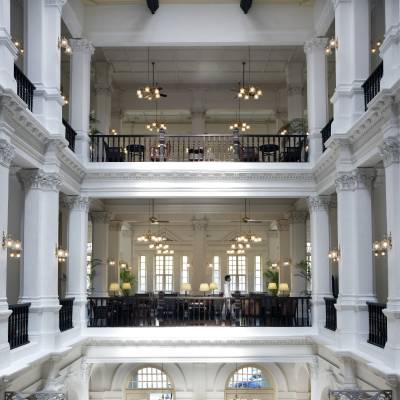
(330, 313)
(372, 85)
(18, 325)
(70, 135)
(65, 314)
(326, 133)
(25, 87)
(377, 324)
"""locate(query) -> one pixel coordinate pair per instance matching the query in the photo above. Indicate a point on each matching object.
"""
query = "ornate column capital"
(283, 225)
(390, 151)
(76, 203)
(116, 225)
(294, 90)
(7, 153)
(316, 43)
(199, 224)
(40, 180)
(361, 178)
(319, 203)
(298, 216)
(81, 46)
(100, 216)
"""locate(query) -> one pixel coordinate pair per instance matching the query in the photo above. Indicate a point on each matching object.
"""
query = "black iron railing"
(69, 134)
(25, 87)
(250, 310)
(208, 147)
(377, 324)
(330, 313)
(326, 133)
(357, 394)
(65, 314)
(372, 85)
(18, 325)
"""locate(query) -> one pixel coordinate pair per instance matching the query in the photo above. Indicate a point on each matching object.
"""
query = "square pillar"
(79, 108)
(103, 88)
(321, 277)
(42, 60)
(113, 251)
(39, 284)
(284, 250)
(100, 235)
(199, 269)
(295, 84)
(8, 51)
(76, 263)
(356, 273)
(352, 25)
(317, 94)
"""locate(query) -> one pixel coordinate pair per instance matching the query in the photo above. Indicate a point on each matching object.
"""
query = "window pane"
(248, 378)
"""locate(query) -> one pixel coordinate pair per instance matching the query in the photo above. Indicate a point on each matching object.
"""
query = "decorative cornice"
(100, 216)
(81, 46)
(361, 178)
(7, 152)
(390, 151)
(317, 43)
(39, 179)
(298, 216)
(319, 203)
(77, 203)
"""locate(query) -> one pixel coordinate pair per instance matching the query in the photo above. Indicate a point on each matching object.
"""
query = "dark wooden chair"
(113, 154)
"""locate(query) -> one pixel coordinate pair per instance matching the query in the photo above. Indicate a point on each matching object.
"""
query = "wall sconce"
(375, 46)
(332, 45)
(64, 44)
(286, 263)
(19, 47)
(13, 245)
(381, 247)
(61, 254)
(114, 132)
(65, 99)
(111, 263)
(334, 254)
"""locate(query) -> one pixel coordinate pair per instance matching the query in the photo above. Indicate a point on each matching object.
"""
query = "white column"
(348, 369)
(390, 48)
(8, 52)
(103, 96)
(39, 284)
(352, 25)
(284, 250)
(295, 84)
(297, 230)
(391, 154)
(6, 156)
(199, 268)
(76, 263)
(42, 60)
(79, 105)
(317, 94)
(321, 277)
(356, 285)
(100, 221)
(113, 251)
(198, 122)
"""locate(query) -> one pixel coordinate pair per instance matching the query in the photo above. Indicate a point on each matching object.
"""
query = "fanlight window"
(248, 378)
(150, 378)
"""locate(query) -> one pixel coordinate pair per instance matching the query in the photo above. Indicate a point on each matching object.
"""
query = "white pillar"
(100, 220)
(390, 48)
(321, 277)
(352, 25)
(199, 268)
(356, 275)
(113, 251)
(79, 105)
(295, 83)
(348, 369)
(103, 97)
(76, 263)
(298, 237)
(317, 94)
(8, 52)
(6, 156)
(198, 122)
(391, 154)
(42, 60)
(40, 264)
(284, 250)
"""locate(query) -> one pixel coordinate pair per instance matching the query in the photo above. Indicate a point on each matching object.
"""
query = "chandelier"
(242, 126)
(334, 255)
(156, 126)
(153, 91)
(248, 238)
(156, 242)
(249, 91)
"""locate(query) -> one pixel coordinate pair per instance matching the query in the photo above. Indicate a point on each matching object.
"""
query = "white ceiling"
(199, 65)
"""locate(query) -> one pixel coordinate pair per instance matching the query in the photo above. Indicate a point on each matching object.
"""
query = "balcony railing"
(18, 325)
(25, 87)
(250, 310)
(330, 313)
(372, 85)
(326, 133)
(377, 324)
(65, 314)
(69, 134)
(209, 147)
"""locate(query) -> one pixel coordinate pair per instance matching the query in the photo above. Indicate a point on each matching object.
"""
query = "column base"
(79, 316)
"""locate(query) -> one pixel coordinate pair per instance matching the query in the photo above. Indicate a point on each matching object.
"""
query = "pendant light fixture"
(248, 91)
(150, 91)
(156, 126)
(242, 126)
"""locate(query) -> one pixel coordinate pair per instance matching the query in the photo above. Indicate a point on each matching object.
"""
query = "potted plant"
(127, 279)
(303, 270)
(272, 280)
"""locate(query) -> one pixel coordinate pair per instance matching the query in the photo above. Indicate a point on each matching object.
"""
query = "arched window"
(249, 383)
(149, 383)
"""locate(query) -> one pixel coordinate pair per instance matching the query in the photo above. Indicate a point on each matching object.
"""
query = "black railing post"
(236, 144)
(162, 144)
(372, 85)
(70, 134)
(377, 324)
(66, 314)
(18, 334)
(330, 313)
(25, 87)
(326, 133)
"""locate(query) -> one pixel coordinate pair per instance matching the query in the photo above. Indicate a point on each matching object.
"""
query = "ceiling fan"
(153, 219)
(247, 220)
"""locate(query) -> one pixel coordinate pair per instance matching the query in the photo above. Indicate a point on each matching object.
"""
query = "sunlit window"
(248, 378)
(237, 271)
(164, 273)
(150, 378)
(216, 270)
(258, 284)
(142, 274)
(185, 269)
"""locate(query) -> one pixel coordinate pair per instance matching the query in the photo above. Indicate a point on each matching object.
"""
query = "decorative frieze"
(319, 203)
(76, 203)
(39, 179)
(390, 151)
(7, 153)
